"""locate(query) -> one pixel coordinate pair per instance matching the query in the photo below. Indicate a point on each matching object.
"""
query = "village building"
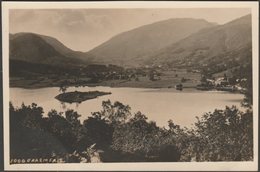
(221, 82)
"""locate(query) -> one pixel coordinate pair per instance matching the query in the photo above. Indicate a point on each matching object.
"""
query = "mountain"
(61, 48)
(35, 48)
(182, 42)
(127, 47)
(209, 45)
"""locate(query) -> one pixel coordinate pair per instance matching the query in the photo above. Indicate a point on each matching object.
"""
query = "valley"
(173, 90)
(158, 55)
(156, 77)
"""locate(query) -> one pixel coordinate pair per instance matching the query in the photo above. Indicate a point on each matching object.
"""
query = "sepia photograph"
(119, 85)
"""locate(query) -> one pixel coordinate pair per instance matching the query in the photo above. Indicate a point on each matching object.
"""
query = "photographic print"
(118, 85)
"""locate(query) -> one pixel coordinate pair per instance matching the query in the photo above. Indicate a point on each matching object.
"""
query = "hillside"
(220, 43)
(39, 61)
(61, 48)
(35, 48)
(127, 48)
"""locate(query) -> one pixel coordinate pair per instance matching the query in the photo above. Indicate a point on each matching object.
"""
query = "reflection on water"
(158, 105)
(63, 105)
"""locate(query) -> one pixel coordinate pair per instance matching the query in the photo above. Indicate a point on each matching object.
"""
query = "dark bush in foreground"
(224, 135)
(116, 135)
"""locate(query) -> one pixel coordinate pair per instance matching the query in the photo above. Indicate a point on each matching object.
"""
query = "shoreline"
(186, 89)
(166, 83)
(41, 87)
(124, 84)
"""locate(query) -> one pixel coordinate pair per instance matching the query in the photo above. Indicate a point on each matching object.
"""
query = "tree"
(63, 88)
(72, 117)
(224, 135)
(248, 99)
(151, 76)
(169, 153)
(28, 137)
(98, 132)
(101, 125)
(61, 129)
(116, 113)
(29, 116)
(203, 79)
(225, 77)
(135, 136)
(173, 127)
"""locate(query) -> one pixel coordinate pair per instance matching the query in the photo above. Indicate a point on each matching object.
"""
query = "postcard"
(146, 86)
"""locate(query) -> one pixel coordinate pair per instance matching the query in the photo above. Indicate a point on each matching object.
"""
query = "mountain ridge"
(207, 43)
(36, 48)
(146, 39)
(196, 47)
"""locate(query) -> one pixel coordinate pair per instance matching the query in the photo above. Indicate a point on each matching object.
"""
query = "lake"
(158, 105)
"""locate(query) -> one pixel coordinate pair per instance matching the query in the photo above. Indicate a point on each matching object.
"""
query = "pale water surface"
(158, 105)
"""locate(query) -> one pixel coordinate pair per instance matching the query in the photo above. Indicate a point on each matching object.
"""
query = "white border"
(179, 166)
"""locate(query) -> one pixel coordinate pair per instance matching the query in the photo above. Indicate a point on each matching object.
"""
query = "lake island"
(78, 97)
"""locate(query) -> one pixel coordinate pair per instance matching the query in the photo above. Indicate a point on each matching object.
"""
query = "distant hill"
(175, 42)
(61, 48)
(128, 47)
(35, 48)
(215, 44)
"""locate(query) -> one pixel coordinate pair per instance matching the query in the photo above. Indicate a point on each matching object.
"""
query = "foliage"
(27, 136)
(116, 113)
(248, 99)
(63, 88)
(244, 73)
(137, 135)
(98, 131)
(224, 135)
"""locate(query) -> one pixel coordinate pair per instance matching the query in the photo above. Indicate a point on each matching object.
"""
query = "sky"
(84, 29)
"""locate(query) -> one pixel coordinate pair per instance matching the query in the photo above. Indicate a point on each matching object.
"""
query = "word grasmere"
(35, 160)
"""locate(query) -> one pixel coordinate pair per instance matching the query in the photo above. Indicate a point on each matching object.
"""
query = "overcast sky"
(83, 29)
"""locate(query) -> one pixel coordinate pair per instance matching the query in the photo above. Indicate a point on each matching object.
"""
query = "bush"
(28, 139)
(99, 132)
(169, 153)
(224, 135)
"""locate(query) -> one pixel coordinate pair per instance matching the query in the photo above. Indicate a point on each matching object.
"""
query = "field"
(167, 79)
